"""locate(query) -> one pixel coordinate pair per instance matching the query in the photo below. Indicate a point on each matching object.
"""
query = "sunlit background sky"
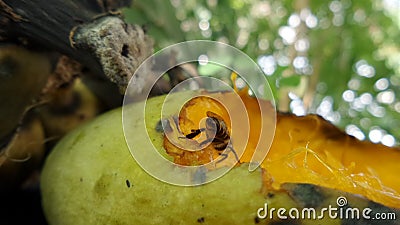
(339, 59)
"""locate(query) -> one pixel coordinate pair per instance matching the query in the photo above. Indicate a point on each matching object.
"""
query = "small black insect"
(218, 134)
(201, 220)
(216, 125)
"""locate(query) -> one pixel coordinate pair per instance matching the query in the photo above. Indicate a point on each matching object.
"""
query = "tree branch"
(90, 31)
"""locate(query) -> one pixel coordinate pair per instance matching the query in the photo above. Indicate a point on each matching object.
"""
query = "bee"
(216, 125)
(217, 133)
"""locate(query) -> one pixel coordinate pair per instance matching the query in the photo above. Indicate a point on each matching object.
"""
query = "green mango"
(91, 178)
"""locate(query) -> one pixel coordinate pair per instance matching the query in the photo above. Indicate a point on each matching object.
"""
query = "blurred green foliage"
(338, 58)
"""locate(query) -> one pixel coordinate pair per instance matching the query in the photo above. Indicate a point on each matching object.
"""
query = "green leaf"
(291, 81)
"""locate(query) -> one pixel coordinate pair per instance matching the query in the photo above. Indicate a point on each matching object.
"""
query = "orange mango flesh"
(304, 149)
(309, 149)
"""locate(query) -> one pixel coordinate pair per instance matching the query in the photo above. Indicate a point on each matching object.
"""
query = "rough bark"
(90, 31)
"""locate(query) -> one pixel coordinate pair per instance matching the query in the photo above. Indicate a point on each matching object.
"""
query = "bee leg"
(230, 149)
(225, 155)
(234, 152)
(194, 133)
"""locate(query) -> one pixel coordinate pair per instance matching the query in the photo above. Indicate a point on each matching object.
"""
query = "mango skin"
(91, 178)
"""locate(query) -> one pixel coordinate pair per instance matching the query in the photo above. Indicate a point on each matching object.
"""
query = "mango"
(90, 177)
